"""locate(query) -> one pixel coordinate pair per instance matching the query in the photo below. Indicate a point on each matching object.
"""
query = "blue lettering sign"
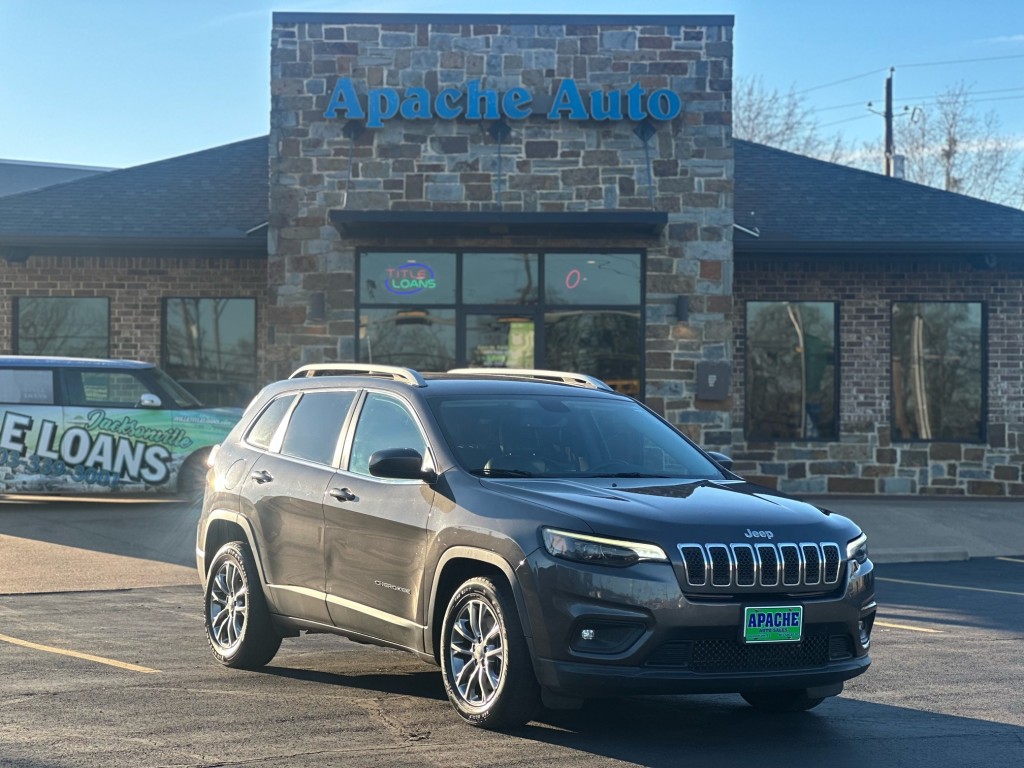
(477, 102)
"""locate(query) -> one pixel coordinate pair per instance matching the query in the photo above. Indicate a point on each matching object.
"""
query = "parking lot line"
(911, 629)
(950, 586)
(1010, 559)
(77, 655)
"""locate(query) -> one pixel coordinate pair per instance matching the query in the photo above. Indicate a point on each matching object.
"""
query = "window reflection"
(499, 341)
(210, 348)
(604, 344)
(791, 370)
(937, 373)
(67, 326)
(423, 339)
(592, 278)
(500, 278)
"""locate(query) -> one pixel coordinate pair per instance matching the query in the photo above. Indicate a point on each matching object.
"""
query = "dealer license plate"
(773, 624)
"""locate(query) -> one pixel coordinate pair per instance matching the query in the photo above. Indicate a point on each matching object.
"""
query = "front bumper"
(599, 631)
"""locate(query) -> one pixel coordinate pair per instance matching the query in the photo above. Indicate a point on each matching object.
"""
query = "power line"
(960, 61)
(847, 120)
(840, 82)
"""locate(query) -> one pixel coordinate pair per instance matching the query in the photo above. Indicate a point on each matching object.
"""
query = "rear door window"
(316, 424)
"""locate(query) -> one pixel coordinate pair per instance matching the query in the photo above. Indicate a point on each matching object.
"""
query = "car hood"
(726, 510)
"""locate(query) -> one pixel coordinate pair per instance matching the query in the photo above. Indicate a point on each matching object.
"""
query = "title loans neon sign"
(479, 103)
(409, 279)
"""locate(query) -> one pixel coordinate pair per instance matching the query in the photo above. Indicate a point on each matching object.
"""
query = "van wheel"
(485, 663)
(192, 477)
(795, 700)
(238, 623)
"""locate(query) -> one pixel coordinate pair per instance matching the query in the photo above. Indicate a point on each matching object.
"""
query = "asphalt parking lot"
(119, 674)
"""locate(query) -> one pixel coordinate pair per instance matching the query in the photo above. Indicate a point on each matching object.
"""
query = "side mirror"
(149, 400)
(400, 464)
(722, 459)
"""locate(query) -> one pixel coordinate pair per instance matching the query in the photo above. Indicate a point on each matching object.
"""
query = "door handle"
(262, 476)
(342, 494)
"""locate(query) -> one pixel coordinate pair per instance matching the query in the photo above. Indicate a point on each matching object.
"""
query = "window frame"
(16, 333)
(168, 366)
(535, 311)
(836, 374)
(983, 366)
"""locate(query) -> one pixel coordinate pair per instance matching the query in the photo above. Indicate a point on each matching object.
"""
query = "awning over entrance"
(579, 224)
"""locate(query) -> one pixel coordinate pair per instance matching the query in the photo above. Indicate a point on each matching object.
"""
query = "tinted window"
(26, 387)
(791, 370)
(62, 326)
(113, 389)
(210, 346)
(500, 278)
(937, 373)
(262, 431)
(383, 423)
(315, 426)
(592, 278)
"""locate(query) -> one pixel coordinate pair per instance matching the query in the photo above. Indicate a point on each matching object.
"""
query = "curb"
(919, 555)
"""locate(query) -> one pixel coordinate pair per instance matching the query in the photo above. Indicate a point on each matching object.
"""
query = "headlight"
(582, 548)
(858, 549)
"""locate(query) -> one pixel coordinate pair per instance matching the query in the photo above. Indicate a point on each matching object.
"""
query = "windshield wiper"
(501, 472)
(626, 474)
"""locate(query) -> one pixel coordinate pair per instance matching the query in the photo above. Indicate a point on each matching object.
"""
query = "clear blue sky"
(107, 83)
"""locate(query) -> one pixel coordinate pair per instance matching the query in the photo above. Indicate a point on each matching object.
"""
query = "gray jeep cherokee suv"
(538, 536)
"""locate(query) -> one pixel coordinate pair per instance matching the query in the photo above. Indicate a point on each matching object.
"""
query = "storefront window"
(500, 278)
(592, 278)
(423, 339)
(407, 278)
(791, 371)
(595, 340)
(569, 311)
(210, 348)
(938, 377)
(499, 341)
(72, 327)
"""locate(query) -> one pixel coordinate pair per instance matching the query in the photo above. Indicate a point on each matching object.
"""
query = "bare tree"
(949, 145)
(781, 120)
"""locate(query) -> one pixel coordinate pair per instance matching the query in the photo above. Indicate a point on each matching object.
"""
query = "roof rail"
(393, 372)
(564, 377)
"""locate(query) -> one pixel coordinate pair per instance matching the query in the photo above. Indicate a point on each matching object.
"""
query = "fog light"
(603, 636)
(865, 633)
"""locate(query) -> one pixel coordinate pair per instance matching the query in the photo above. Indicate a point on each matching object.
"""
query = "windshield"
(565, 436)
(181, 397)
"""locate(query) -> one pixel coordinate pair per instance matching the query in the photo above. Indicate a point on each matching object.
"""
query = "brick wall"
(135, 286)
(552, 166)
(867, 459)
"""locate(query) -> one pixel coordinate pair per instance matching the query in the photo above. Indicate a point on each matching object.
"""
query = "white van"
(74, 425)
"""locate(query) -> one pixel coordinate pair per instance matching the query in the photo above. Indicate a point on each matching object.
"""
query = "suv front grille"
(722, 655)
(749, 566)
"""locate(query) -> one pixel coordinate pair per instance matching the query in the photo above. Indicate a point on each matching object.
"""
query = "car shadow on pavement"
(667, 732)
(424, 684)
(161, 530)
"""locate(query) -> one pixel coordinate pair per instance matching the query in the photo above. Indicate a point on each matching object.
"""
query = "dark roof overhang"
(577, 224)
(921, 248)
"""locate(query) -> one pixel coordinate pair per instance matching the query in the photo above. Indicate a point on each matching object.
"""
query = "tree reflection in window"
(74, 327)
(937, 371)
(210, 347)
(791, 370)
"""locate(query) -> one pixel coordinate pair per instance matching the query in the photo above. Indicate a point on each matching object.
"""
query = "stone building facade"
(507, 184)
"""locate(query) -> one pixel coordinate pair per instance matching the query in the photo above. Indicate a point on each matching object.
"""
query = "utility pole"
(890, 146)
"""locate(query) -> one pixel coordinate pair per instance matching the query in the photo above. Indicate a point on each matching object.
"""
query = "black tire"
(192, 477)
(795, 700)
(238, 624)
(485, 662)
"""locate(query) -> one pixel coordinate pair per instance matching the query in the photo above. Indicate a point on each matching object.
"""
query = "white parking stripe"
(77, 655)
(1011, 560)
(950, 586)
